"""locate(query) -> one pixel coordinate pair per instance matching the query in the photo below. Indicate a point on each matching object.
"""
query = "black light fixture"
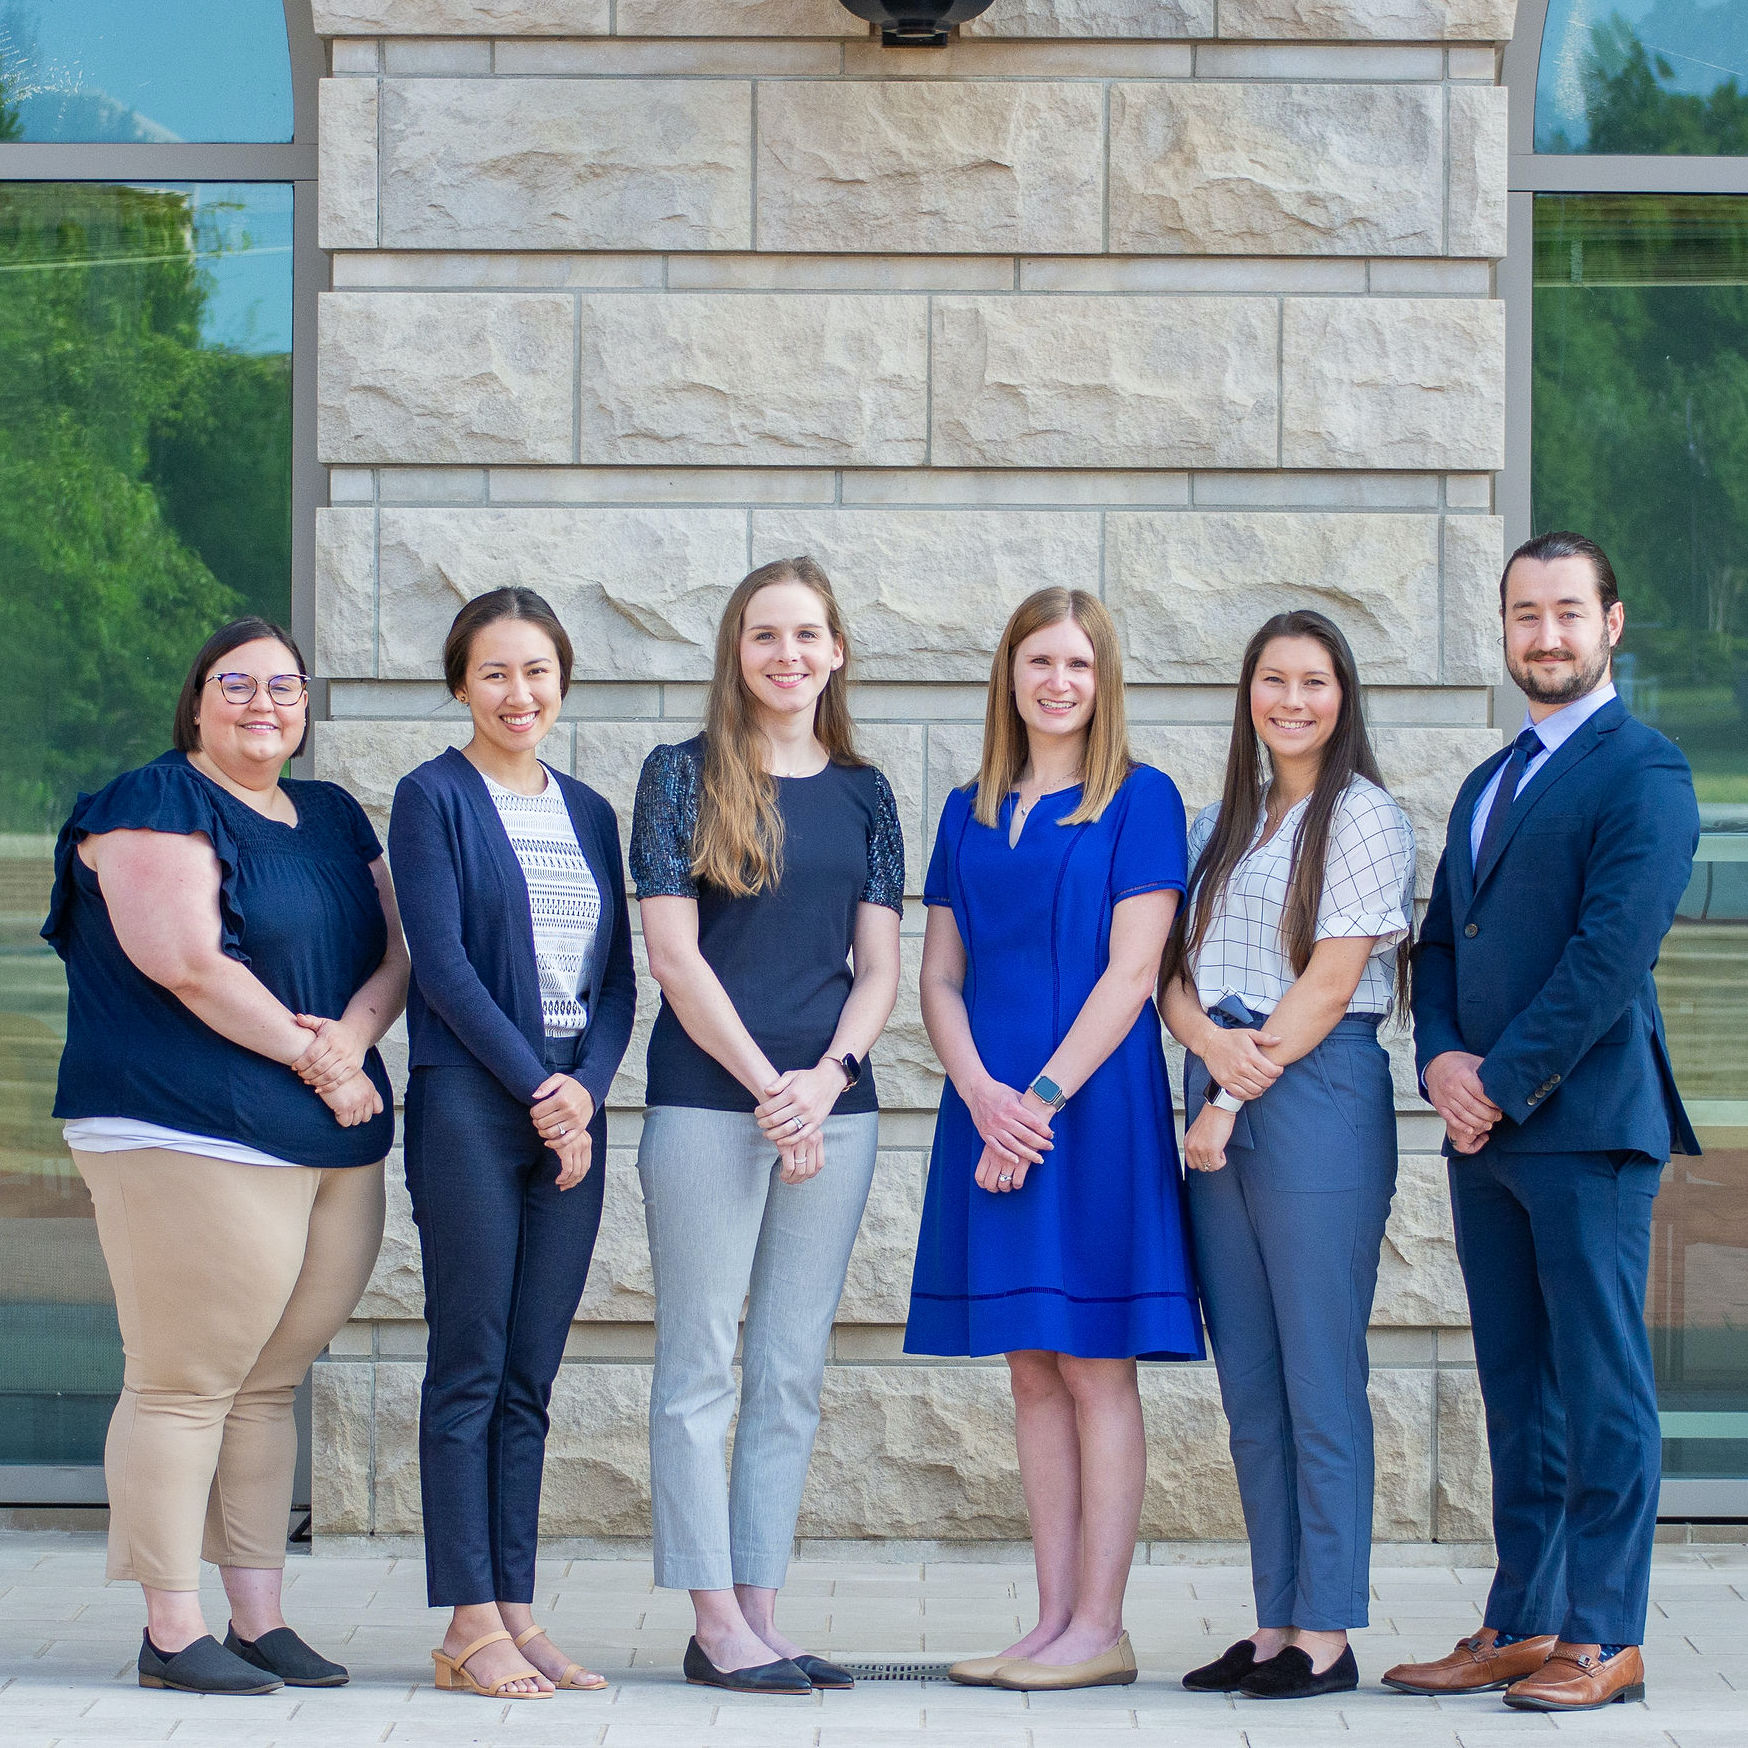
(916, 23)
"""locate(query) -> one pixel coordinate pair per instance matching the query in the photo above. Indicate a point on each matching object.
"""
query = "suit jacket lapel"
(1578, 748)
(1457, 844)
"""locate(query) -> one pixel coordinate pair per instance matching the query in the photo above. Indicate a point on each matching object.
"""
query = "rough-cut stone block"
(1474, 557)
(925, 592)
(899, 749)
(345, 594)
(369, 758)
(1423, 768)
(621, 1288)
(1375, 20)
(877, 1287)
(1189, 589)
(1392, 382)
(460, 377)
(749, 18)
(1465, 1477)
(1478, 175)
(346, 189)
(609, 758)
(1402, 1411)
(596, 1481)
(340, 1478)
(396, 1291)
(1276, 169)
(1105, 382)
(1192, 755)
(1419, 1283)
(638, 589)
(905, 1065)
(1154, 19)
(462, 17)
(758, 379)
(566, 163)
(395, 1424)
(914, 166)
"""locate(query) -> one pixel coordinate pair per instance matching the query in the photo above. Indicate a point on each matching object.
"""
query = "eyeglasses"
(284, 689)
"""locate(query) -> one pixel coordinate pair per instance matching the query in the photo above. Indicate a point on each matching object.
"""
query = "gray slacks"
(1286, 1240)
(724, 1230)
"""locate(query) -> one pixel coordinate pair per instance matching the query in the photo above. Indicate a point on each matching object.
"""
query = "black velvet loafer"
(1288, 1675)
(203, 1667)
(282, 1653)
(779, 1677)
(1225, 1672)
(821, 1673)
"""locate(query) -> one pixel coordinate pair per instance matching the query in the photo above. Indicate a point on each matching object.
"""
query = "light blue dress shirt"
(1553, 732)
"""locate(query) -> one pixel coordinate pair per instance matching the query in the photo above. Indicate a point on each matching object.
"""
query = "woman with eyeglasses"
(233, 955)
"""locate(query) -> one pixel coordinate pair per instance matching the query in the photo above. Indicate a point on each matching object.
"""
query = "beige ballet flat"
(976, 1671)
(1112, 1668)
(588, 1681)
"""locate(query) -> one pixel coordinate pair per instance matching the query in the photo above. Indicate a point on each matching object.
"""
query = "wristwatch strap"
(1225, 1101)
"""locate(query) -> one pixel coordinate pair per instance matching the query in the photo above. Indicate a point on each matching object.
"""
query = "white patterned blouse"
(1368, 889)
(563, 899)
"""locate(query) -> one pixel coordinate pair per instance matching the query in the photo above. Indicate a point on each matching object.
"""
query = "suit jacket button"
(1532, 1098)
(1472, 930)
(1553, 1080)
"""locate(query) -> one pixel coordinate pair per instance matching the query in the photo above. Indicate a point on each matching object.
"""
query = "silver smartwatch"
(1225, 1101)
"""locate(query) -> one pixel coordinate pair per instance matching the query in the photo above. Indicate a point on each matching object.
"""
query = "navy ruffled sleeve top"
(298, 905)
(782, 954)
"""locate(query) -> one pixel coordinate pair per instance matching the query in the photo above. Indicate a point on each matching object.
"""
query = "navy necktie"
(1523, 749)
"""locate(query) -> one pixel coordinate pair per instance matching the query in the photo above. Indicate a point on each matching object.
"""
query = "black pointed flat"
(203, 1667)
(780, 1677)
(821, 1673)
(282, 1653)
(1288, 1675)
(1225, 1672)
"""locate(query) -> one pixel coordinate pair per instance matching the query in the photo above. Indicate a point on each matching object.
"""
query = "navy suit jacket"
(475, 991)
(1540, 960)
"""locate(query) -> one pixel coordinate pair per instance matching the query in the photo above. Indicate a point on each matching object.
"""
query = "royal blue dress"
(1089, 1256)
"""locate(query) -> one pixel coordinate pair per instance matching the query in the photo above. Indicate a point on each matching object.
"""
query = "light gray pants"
(723, 1230)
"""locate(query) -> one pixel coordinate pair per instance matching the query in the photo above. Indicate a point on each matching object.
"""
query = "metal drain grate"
(897, 1671)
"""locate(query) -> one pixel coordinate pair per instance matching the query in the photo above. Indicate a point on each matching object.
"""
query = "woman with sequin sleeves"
(1301, 903)
(519, 1013)
(770, 872)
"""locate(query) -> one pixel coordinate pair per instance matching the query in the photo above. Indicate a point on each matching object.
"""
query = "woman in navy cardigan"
(513, 897)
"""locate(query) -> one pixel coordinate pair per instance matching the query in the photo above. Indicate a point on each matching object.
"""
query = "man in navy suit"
(1540, 1044)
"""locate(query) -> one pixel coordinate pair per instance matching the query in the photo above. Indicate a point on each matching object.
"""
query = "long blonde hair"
(1107, 760)
(738, 844)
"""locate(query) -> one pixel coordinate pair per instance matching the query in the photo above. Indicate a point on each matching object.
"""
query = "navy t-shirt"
(782, 954)
(297, 904)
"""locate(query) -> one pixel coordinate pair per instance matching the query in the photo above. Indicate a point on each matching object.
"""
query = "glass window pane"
(145, 496)
(1644, 77)
(144, 70)
(1641, 440)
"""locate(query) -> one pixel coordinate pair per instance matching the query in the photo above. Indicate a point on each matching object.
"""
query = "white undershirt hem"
(125, 1134)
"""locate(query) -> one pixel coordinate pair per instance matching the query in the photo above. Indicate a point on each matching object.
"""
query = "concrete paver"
(68, 1639)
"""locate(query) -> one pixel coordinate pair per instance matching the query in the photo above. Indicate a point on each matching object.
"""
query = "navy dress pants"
(1287, 1235)
(506, 1256)
(1555, 1249)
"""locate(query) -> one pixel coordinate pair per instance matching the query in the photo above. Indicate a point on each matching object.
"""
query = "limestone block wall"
(1188, 301)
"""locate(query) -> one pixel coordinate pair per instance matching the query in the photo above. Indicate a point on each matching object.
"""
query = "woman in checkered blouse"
(1290, 954)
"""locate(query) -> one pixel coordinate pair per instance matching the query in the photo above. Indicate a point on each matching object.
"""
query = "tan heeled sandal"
(594, 1683)
(454, 1676)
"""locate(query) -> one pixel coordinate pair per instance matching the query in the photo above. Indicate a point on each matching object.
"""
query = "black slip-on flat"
(282, 1653)
(821, 1673)
(1225, 1672)
(203, 1667)
(781, 1676)
(1288, 1675)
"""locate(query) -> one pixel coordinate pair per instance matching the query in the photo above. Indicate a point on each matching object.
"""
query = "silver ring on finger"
(563, 1129)
(1007, 1177)
(796, 1125)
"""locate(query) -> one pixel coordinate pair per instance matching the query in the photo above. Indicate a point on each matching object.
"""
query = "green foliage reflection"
(144, 483)
(1641, 440)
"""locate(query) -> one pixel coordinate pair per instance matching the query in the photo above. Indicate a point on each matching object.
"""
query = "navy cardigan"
(475, 992)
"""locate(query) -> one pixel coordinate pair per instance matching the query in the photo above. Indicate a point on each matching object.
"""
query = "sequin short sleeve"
(885, 852)
(662, 824)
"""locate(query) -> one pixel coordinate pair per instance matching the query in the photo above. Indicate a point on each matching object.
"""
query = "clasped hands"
(333, 1068)
(562, 1110)
(1453, 1086)
(792, 1116)
(1234, 1059)
(1016, 1133)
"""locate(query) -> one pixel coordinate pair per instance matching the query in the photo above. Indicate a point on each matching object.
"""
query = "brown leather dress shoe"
(1478, 1665)
(1577, 1678)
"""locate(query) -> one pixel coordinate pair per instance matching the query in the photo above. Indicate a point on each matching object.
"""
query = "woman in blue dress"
(1052, 1227)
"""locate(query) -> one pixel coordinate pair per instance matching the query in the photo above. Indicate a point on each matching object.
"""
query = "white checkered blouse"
(1368, 889)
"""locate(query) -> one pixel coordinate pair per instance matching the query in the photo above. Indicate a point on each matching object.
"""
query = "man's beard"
(1586, 677)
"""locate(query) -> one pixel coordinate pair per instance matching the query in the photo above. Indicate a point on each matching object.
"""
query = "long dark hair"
(1347, 754)
(185, 725)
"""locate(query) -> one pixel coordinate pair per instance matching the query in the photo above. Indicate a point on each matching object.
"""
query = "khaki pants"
(229, 1280)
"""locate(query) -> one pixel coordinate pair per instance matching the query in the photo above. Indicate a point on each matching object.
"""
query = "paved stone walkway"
(67, 1643)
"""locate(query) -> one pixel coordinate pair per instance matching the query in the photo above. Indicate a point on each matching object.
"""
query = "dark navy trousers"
(506, 1255)
(1555, 1249)
(1287, 1235)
